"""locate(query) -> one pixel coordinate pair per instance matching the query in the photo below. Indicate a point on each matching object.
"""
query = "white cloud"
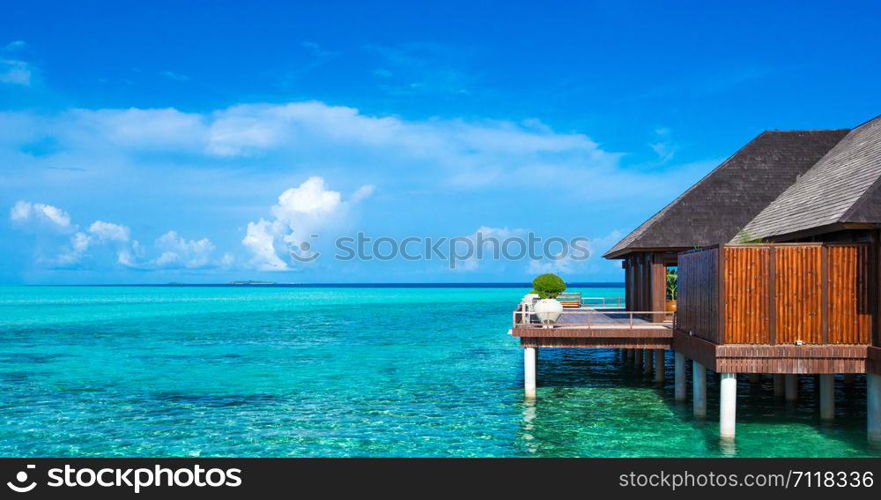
(26, 213)
(260, 241)
(107, 240)
(445, 154)
(154, 129)
(181, 252)
(664, 147)
(108, 231)
(179, 77)
(300, 212)
(15, 72)
(15, 45)
(311, 199)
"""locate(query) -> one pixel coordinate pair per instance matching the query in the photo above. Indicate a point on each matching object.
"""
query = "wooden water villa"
(778, 257)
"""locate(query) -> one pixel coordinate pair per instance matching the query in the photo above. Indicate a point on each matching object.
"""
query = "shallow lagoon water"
(251, 371)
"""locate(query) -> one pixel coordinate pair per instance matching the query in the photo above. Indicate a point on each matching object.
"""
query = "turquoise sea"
(340, 372)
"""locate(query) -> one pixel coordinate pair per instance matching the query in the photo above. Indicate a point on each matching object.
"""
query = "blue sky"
(167, 142)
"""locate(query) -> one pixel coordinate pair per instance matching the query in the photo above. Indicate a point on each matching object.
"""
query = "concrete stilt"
(699, 389)
(727, 405)
(637, 358)
(529, 367)
(827, 397)
(647, 360)
(679, 376)
(778, 385)
(873, 406)
(791, 387)
(659, 365)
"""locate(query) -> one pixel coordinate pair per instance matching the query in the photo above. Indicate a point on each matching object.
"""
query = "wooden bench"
(571, 300)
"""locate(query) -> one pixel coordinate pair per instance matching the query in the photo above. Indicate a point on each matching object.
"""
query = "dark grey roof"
(843, 187)
(716, 208)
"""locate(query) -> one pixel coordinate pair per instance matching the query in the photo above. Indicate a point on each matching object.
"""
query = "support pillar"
(647, 359)
(778, 385)
(699, 389)
(637, 358)
(529, 367)
(679, 376)
(659, 365)
(790, 383)
(873, 406)
(827, 397)
(727, 405)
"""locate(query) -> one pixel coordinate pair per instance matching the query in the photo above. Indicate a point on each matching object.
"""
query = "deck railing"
(527, 318)
(603, 302)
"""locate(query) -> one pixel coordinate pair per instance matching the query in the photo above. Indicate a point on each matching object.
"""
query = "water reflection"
(529, 413)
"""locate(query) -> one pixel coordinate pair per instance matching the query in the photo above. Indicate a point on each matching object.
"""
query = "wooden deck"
(596, 328)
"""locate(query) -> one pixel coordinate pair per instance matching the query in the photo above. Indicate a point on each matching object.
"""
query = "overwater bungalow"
(777, 257)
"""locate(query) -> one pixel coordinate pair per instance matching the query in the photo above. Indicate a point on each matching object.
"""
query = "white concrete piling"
(727, 405)
(529, 368)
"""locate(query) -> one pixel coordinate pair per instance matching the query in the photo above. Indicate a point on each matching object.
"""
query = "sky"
(206, 142)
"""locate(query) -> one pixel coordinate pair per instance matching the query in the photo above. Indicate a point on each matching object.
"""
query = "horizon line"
(258, 284)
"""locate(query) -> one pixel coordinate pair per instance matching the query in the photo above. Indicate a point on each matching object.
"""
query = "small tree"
(548, 286)
(672, 284)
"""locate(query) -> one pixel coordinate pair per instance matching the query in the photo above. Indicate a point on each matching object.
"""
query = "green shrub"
(548, 286)
(532, 292)
(672, 284)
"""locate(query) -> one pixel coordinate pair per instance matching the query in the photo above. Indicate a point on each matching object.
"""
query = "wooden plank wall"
(798, 290)
(747, 315)
(779, 294)
(850, 307)
(697, 304)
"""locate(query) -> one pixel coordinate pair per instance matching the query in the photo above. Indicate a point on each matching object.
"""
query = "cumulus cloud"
(26, 213)
(108, 231)
(181, 252)
(108, 239)
(260, 240)
(300, 212)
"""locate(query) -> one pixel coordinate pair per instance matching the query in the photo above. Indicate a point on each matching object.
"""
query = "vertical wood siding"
(797, 294)
(849, 308)
(746, 295)
(697, 302)
(778, 294)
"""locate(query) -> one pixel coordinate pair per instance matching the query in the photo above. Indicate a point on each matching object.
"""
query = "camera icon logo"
(21, 478)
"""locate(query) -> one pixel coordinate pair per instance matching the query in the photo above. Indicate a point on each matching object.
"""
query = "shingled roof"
(843, 187)
(716, 208)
